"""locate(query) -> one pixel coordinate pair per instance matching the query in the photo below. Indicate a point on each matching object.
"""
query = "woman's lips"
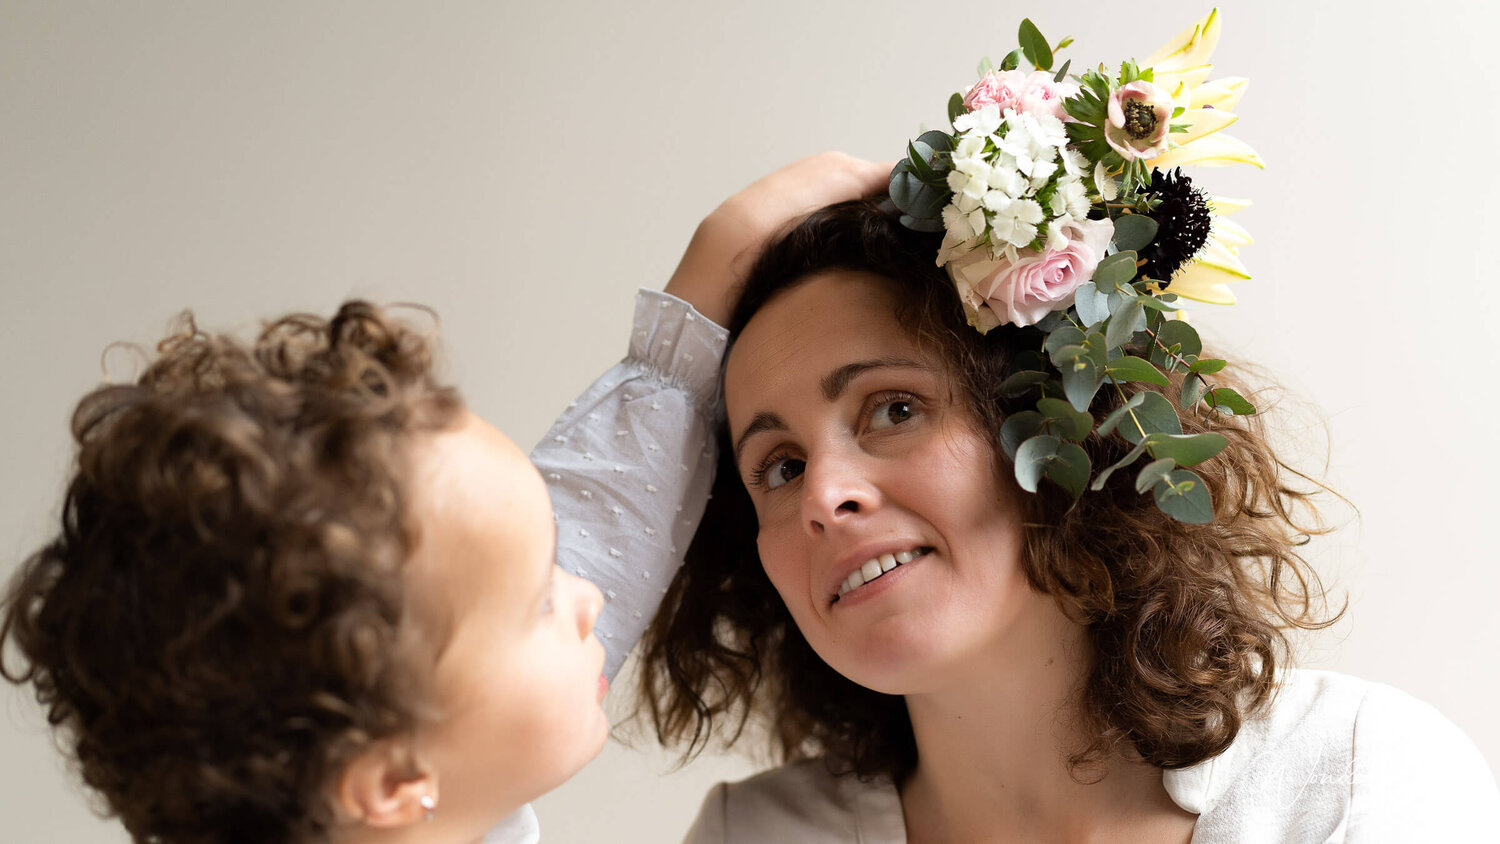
(877, 567)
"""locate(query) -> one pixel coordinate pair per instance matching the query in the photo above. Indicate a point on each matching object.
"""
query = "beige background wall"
(524, 167)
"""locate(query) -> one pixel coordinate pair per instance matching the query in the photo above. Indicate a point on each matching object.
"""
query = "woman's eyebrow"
(832, 386)
(835, 382)
(761, 423)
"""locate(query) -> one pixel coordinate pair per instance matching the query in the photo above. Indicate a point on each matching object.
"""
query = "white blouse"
(1334, 759)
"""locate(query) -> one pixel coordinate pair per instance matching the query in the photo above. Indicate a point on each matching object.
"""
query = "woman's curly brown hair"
(218, 625)
(1186, 622)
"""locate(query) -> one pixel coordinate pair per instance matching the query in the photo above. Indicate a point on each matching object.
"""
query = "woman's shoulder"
(800, 801)
(1345, 755)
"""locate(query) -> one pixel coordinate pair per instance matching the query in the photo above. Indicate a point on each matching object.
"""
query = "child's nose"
(588, 601)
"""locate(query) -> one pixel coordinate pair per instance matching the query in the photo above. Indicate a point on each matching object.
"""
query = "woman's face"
(858, 457)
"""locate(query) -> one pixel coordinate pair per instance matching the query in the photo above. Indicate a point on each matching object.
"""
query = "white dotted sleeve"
(630, 463)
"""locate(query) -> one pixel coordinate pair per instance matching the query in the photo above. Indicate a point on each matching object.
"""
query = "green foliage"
(1187, 449)
(1035, 46)
(1012, 60)
(1115, 270)
(1226, 400)
(1018, 428)
(955, 107)
(1134, 232)
(1155, 415)
(1064, 463)
(1183, 496)
(1131, 368)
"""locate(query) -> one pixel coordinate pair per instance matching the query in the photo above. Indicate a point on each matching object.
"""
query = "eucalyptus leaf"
(1050, 321)
(1108, 425)
(1155, 415)
(985, 66)
(1063, 43)
(1114, 271)
(1012, 60)
(1156, 303)
(1069, 468)
(1208, 365)
(1225, 399)
(1192, 390)
(1081, 381)
(1070, 423)
(1133, 455)
(1017, 428)
(1021, 383)
(1091, 303)
(1183, 496)
(1035, 46)
(1098, 349)
(1131, 368)
(1065, 356)
(1065, 335)
(939, 140)
(930, 224)
(1134, 232)
(1153, 472)
(1177, 333)
(1031, 459)
(1122, 323)
(955, 106)
(1062, 72)
(915, 198)
(1187, 449)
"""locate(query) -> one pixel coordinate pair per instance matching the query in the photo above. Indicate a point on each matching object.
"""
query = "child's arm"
(630, 463)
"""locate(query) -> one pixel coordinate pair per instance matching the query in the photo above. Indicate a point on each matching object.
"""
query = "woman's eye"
(782, 471)
(890, 414)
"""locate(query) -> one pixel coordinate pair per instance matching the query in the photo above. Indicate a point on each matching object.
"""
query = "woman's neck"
(993, 747)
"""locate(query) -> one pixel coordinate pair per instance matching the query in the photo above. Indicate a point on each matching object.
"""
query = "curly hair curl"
(1187, 623)
(217, 627)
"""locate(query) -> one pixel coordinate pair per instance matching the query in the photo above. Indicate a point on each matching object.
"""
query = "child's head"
(298, 590)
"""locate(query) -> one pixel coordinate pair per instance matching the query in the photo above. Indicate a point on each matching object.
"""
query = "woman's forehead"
(803, 337)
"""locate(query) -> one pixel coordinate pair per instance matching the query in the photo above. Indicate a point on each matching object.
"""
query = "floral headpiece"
(1063, 206)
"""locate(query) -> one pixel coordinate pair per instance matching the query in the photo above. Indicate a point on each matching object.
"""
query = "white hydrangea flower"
(1070, 199)
(1074, 164)
(971, 172)
(964, 218)
(1026, 141)
(1015, 221)
(985, 121)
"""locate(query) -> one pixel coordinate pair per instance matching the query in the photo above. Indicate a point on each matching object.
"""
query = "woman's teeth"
(876, 566)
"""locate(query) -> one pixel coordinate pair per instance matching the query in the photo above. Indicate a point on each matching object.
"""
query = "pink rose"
(1042, 95)
(1022, 291)
(1001, 88)
(1139, 120)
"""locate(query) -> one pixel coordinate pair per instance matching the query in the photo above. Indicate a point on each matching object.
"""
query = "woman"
(942, 657)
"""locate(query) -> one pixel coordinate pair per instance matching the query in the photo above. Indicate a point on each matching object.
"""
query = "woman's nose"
(836, 491)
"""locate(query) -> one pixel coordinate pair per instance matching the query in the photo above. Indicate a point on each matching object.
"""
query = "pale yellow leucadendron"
(1181, 68)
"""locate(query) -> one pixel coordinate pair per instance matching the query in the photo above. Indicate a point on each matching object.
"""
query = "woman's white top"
(1335, 759)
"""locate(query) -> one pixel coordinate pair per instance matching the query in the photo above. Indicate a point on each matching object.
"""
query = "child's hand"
(730, 238)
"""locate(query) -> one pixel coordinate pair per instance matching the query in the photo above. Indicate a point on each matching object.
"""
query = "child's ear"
(381, 787)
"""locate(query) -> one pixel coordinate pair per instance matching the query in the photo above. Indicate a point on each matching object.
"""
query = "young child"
(301, 594)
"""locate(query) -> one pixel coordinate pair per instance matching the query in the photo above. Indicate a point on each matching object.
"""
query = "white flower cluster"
(1003, 168)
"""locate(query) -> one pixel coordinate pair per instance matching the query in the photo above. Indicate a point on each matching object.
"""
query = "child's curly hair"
(217, 627)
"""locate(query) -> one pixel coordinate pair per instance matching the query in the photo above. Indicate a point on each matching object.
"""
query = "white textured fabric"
(629, 465)
(1335, 759)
